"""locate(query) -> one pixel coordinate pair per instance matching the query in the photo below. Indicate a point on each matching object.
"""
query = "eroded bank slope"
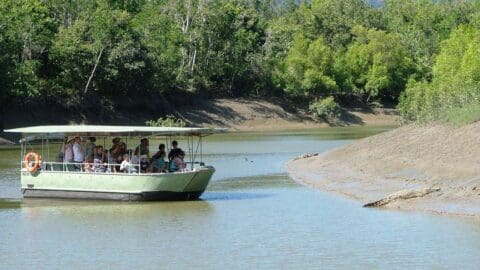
(259, 115)
(437, 157)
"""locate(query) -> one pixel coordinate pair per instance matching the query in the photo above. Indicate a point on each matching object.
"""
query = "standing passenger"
(90, 147)
(68, 156)
(78, 153)
(143, 153)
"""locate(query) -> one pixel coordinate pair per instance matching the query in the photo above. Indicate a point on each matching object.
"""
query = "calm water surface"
(252, 216)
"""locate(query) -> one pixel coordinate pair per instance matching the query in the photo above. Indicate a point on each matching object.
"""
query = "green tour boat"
(46, 175)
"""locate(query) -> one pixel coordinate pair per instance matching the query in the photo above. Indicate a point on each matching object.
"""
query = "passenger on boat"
(143, 154)
(115, 142)
(126, 166)
(174, 151)
(90, 147)
(78, 152)
(116, 154)
(158, 160)
(107, 158)
(68, 150)
(99, 161)
(61, 151)
(178, 164)
(89, 164)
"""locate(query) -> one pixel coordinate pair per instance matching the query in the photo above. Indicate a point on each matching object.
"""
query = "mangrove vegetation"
(420, 55)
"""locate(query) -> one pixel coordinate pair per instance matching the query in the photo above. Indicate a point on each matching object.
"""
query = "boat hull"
(116, 186)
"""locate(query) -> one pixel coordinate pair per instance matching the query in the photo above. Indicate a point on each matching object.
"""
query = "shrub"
(459, 116)
(167, 121)
(325, 108)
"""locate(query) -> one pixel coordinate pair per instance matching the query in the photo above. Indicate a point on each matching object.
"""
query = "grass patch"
(462, 116)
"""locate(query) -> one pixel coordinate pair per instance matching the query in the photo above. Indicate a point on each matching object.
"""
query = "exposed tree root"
(401, 195)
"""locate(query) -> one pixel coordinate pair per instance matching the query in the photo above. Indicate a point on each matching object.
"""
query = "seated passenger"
(158, 160)
(178, 164)
(89, 165)
(99, 160)
(126, 166)
(174, 151)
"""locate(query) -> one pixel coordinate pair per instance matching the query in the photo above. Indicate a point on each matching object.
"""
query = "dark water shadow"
(234, 196)
(6, 203)
(10, 203)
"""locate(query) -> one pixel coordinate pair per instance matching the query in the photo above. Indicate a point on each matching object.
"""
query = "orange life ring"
(32, 168)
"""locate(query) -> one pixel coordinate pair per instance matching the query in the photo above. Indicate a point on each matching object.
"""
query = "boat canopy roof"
(58, 131)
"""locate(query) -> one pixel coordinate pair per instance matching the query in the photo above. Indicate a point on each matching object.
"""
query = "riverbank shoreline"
(409, 159)
(250, 115)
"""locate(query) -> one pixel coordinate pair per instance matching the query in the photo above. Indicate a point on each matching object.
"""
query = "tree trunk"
(93, 71)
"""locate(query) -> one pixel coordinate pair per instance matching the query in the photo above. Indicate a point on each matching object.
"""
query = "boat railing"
(103, 167)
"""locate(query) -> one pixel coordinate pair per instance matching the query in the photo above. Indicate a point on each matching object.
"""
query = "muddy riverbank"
(409, 160)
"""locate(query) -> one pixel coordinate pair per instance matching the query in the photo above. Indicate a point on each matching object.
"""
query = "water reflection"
(228, 196)
(10, 203)
(113, 209)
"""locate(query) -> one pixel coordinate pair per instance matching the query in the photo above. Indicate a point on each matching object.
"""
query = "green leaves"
(111, 49)
(377, 63)
(309, 68)
(107, 37)
(455, 83)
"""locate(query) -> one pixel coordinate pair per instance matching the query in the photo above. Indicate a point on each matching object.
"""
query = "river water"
(252, 216)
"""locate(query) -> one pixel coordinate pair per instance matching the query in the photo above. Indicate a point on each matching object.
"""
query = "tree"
(105, 40)
(455, 81)
(335, 19)
(308, 69)
(377, 63)
(423, 24)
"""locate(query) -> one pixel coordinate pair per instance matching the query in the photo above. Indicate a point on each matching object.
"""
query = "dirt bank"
(236, 114)
(427, 168)
(255, 115)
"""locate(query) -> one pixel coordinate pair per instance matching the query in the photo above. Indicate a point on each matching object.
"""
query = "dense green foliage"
(422, 53)
(455, 83)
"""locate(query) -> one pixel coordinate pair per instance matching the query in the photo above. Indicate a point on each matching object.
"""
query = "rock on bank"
(412, 157)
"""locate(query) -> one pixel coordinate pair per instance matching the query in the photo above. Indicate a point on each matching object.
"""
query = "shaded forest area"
(99, 57)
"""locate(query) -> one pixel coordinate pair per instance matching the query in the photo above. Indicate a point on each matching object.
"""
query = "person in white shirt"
(126, 166)
(68, 151)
